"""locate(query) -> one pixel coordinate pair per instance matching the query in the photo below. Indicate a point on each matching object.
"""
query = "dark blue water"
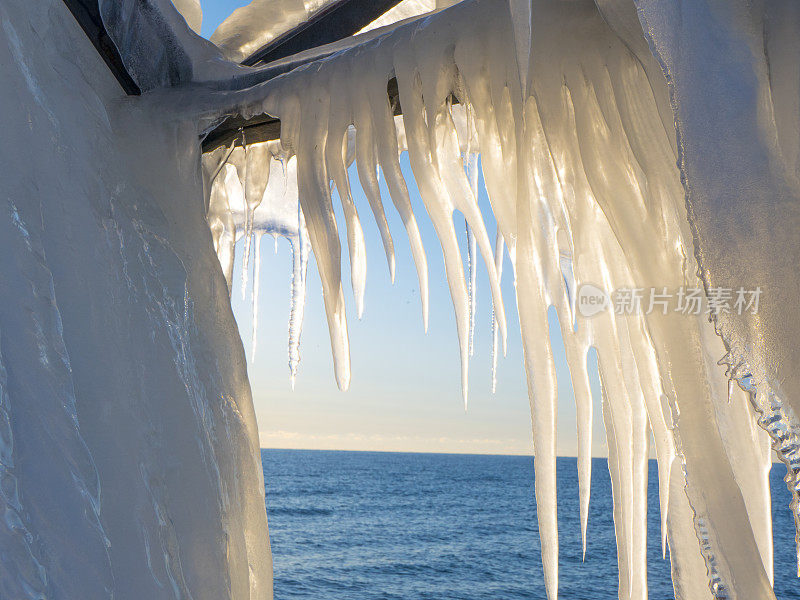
(364, 525)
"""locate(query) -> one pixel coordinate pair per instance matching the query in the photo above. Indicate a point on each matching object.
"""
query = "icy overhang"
(328, 28)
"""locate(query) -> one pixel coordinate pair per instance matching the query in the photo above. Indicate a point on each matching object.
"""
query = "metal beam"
(87, 14)
(336, 21)
(236, 130)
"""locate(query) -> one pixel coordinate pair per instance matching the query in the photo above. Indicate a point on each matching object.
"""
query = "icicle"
(248, 219)
(472, 252)
(254, 175)
(386, 139)
(300, 252)
(465, 192)
(217, 169)
(639, 512)
(542, 388)
(664, 475)
(226, 196)
(658, 416)
(617, 494)
(577, 356)
(256, 285)
(471, 168)
(616, 393)
(335, 158)
(439, 207)
(498, 265)
(458, 188)
(367, 166)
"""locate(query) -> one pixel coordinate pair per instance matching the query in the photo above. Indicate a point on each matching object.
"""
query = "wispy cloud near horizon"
(291, 440)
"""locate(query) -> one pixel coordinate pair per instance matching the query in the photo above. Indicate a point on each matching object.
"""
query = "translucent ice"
(273, 210)
(571, 115)
(598, 124)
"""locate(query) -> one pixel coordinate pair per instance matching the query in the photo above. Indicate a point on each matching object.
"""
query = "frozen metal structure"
(625, 145)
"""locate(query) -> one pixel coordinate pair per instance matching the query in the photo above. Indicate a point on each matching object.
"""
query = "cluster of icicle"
(253, 192)
(574, 128)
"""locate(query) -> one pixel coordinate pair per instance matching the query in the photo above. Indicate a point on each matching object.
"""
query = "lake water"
(371, 525)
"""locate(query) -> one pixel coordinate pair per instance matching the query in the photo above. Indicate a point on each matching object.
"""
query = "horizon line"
(650, 459)
(531, 455)
(775, 460)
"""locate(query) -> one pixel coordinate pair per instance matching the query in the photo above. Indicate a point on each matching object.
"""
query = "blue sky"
(405, 386)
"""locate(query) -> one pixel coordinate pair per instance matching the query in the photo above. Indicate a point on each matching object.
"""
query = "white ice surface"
(192, 12)
(129, 462)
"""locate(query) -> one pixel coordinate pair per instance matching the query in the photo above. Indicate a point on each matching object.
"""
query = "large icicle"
(750, 186)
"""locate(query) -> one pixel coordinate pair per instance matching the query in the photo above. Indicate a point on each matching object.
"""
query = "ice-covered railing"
(575, 124)
(256, 24)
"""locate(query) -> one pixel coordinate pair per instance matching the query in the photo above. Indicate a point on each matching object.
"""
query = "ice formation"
(192, 13)
(266, 202)
(622, 147)
(257, 23)
(129, 453)
(573, 121)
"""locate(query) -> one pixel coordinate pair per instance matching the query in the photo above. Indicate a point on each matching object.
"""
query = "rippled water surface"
(369, 525)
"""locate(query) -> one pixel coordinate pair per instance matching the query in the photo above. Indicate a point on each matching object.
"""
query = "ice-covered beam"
(264, 128)
(87, 14)
(261, 128)
(331, 24)
(334, 22)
